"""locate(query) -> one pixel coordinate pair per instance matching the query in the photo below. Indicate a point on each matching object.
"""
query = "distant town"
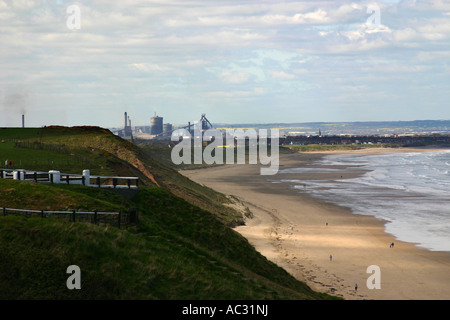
(417, 132)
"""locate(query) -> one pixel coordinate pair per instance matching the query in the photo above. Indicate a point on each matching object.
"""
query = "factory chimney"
(23, 121)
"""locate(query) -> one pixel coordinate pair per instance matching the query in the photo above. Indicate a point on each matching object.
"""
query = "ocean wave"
(410, 190)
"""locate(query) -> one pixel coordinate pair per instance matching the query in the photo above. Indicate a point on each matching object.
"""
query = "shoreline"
(325, 245)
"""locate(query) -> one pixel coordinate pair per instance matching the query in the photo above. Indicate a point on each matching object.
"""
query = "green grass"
(36, 196)
(44, 150)
(106, 154)
(41, 160)
(13, 134)
(168, 177)
(168, 216)
(178, 251)
(182, 248)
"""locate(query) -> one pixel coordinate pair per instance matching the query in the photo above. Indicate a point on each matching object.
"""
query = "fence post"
(98, 181)
(87, 177)
(95, 217)
(129, 183)
(73, 216)
(35, 176)
(42, 213)
(55, 176)
(114, 182)
(118, 224)
(4, 211)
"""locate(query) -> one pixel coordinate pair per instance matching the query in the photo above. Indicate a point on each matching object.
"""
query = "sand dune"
(325, 245)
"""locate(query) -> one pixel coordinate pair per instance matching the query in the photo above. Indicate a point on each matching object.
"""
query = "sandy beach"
(325, 245)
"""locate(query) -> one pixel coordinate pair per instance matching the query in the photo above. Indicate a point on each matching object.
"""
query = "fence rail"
(118, 218)
(56, 177)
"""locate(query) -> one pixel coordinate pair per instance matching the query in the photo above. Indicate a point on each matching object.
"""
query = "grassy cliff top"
(182, 248)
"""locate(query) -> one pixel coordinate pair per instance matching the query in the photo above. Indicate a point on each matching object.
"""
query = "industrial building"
(142, 129)
(158, 129)
(156, 125)
(126, 131)
(167, 129)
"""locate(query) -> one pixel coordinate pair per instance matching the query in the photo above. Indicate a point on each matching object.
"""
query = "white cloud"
(149, 67)
(235, 77)
(406, 34)
(24, 4)
(281, 75)
(395, 68)
(430, 56)
(301, 71)
(435, 29)
(187, 50)
(215, 38)
(426, 5)
(358, 88)
(236, 94)
(318, 16)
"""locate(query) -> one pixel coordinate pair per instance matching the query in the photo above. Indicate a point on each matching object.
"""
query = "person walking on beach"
(6, 164)
(356, 287)
(331, 257)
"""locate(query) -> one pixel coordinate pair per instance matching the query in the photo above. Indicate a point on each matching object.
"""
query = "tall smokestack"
(23, 121)
(126, 119)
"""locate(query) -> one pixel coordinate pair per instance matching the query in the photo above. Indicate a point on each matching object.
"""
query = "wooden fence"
(118, 219)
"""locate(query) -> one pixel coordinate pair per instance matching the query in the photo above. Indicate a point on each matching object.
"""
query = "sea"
(411, 191)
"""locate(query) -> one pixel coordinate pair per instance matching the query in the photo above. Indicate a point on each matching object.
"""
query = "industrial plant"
(156, 129)
(413, 132)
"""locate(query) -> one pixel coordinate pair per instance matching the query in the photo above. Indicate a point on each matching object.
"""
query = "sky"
(71, 63)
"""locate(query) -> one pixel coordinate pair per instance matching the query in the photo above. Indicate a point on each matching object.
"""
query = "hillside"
(177, 251)
(76, 148)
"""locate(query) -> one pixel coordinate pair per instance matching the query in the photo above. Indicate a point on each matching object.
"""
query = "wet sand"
(325, 245)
